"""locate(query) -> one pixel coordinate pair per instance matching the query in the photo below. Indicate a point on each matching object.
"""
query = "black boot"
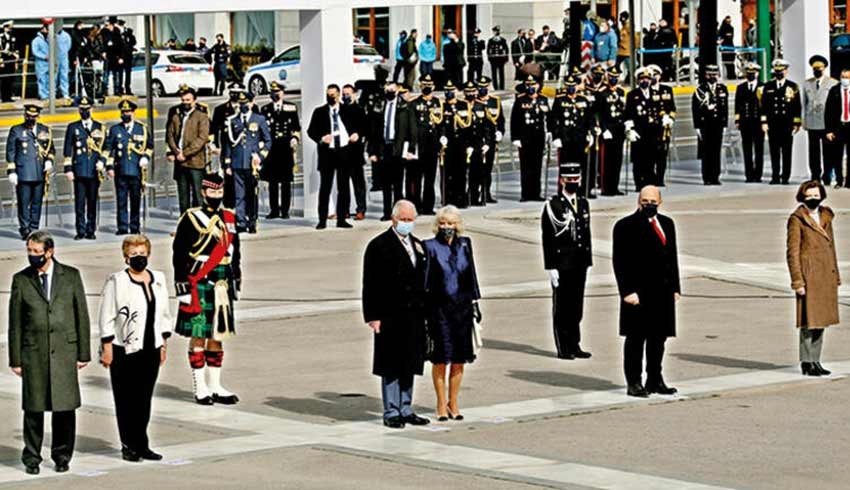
(637, 390)
(809, 369)
(658, 386)
(820, 369)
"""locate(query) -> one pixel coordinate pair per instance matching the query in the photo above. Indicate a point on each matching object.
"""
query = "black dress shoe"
(344, 224)
(443, 418)
(322, 225)
(207, 400)
(121, 232)
(660, 387)
(809, 369)
(273, 215)
(580, 354)
(637, 390)
(149, 455)
(414, 419)
(61, 467)
(33, 470)
(823, 371)
(90, 236)
(284, 216)
(491, 200)
(385, 218)
(128, 454)
(79, 236)
(569, 356)
(394, 423)
(774, 182)
(225, 400)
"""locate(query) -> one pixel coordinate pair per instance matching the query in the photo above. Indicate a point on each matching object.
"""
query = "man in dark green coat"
(48, 344)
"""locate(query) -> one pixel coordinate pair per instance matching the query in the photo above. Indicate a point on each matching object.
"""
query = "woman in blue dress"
(452, 288)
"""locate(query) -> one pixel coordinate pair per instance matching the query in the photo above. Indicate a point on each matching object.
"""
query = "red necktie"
(658, 232)
(846, 114)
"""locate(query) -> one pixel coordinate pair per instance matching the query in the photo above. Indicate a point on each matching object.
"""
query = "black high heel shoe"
(454, 416)
(809, 369)
(820, 369)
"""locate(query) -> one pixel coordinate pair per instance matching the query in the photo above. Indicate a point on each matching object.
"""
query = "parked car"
(170, 70)
(286, 67)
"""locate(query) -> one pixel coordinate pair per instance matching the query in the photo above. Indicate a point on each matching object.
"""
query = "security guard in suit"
(612, 111)
(8, 61)
(475, 56)
(570, 123)
(529, 136)
(667, 107)
(428, 111)
(781, 118)
(566, 257)
(277, 169)
(129, 148)
(455, 139)
(246, 145)
(497, 54)
(84, 166)
(493, 130)
(29, 154)
(644, 128)
(710, 108)
(748, 121)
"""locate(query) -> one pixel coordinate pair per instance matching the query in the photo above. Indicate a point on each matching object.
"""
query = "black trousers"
(64, 426)
(188, 187)
(85, 204)
(530, 163)
(489, 162)
(429, 154)
(280, 196)
(413, 172)
(477, 172)
(752, 138)
(456, 168)
(128, 78)
(229, 192)
(643, 155)
(133, 378)
(82, 80)
(710, 148)
(818, 145)
(474, 70)
(497, 70)
(392, 179)
(127, 187)
(633, 350)
(590, 166)
(337, 163)
(7, 78)
(781, 144)
(612, 163)
(30, 196)
(399, 65)
(568, 309)
(835, 161)
(663, 149)
(358, 181)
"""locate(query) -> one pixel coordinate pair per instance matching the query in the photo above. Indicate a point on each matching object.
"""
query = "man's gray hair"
(400, 205)
(43, 237)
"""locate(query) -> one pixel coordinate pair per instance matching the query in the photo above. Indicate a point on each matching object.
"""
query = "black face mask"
(817, 73)
(712, 80)
(212, 202)
(644, 84)
(482, 92)
(531, 90)
(613, 80)
(346, 99)
(470, 97)
(751, 76)
(275, 96)
(390, 95)
(571, 187)
(649, 210)
(234, 97)
(597, 78)
(138, 263)
(331, 100)
(85, 113)
(571, 90)
(450, 95)
(779, 75)
(427, 90)
(186, 107)
(813, 203)
(37, 261)
(125, 118)
(446, 233)
(244, 108)
(29, 121)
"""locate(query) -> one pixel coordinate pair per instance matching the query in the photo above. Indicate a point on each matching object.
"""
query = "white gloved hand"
(185, 299)
(293, 142)
(607, 135)
(48, 165)
(99, 166)
(549, 137)
(499, 136)
(554, 277)
(699, 134)
(557, 143)
(13, 179)
(143, 162)
(667, 121)
(597, 130)
(69, 176)
(632, 135)
(629, 125)
(589, 139)
(485, 148)
(469, 151)
(517, 143)
(444, 141)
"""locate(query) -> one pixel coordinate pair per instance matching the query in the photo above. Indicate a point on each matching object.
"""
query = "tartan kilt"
(201, 325)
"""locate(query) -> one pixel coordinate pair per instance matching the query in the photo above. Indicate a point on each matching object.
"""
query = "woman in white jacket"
(135, 323)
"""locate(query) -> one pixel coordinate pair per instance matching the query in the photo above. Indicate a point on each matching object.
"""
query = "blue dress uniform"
(246, 135)
(83, 151)
(30, 154)
(129, 146)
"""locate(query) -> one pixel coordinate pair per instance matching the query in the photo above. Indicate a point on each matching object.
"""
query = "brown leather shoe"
(359, 217)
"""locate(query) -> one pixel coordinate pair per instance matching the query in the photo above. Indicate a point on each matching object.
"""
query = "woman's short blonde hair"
(452, 215)
(133, 241)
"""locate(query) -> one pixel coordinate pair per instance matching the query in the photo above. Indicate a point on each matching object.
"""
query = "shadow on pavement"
(515, 347)
(728, 362)
(565, 380)
(342, 407)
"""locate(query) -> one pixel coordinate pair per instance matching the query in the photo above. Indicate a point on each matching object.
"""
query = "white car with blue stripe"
(286, 68)
(170, 69)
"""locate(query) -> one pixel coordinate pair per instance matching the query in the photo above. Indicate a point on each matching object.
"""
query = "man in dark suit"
(521, 48)
(393, 307)
(646, 265)
(356, 170)
(48, 344)
(747, 120)
(334, 128)
(566, 257)
(453, 58)
(837, 121)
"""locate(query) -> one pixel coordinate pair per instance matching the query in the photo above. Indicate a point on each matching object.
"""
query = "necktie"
(336, 128)
(658, 232)
(846, 113)
(388, 121)
(573, 203)
(44, 286)
(817, 84)
(244, 120)
(409, 250)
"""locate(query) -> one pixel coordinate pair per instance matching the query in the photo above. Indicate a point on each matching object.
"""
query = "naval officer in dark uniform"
(710, 108)
(781, 118)
(566, 257)
(285, 127)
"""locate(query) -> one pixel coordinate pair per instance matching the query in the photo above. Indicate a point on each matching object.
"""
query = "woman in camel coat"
(814, 272)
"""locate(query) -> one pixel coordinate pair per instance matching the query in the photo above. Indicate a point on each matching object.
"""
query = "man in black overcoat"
(647, 269)
(393, 307)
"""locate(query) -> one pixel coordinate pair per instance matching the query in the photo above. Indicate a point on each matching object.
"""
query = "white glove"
(597, 130)
(69, 176)
(549, 137)
(629, 125)
(469, 151)
(667, 121)
(293, 142)
(517, 143)
(444, 141)
(554, 277)
(186, 299)
(13, 179)
(499, 136)
(48, 165)
(632, 135)
(99, 166)
(557, 143)
(699, 134)
(143, 162)
(589, 139)
(485, 148)
(607, 135)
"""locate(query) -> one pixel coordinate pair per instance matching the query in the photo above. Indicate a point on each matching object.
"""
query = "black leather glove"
(476, 313)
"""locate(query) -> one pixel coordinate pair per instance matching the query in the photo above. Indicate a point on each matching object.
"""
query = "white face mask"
(845, 82)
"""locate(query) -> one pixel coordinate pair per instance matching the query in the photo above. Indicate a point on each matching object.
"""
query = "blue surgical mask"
(126, 118)
(85, 113)
(405, 228)
(845, 82)
(346, 99)
(450, 95)
(244, 108)
(531, 90)
(482, 92)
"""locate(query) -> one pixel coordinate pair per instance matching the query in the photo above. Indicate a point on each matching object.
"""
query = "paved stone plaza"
(310, 411)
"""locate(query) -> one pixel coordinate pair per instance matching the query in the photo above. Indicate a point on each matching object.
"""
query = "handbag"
(477, 339)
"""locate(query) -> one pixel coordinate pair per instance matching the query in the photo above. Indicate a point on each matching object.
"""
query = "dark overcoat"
(643, 265)
(48, 338)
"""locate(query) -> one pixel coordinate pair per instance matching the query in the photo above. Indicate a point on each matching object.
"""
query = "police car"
(286, 67)
(170, 69)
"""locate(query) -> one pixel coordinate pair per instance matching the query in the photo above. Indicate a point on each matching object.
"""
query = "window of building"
(173, 26)
(252, 29)
(372, 25)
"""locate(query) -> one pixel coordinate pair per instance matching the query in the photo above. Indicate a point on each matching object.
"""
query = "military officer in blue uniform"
(129, 148)
(246, 144)
(29, 154)
(84, 166)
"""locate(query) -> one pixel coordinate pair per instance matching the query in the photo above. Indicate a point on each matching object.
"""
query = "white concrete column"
(407, 19)
(208, 25)
(805, 31)
(646, 12)
(326, 57)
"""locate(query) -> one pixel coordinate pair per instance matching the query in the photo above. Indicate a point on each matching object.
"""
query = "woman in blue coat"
(452, 290)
